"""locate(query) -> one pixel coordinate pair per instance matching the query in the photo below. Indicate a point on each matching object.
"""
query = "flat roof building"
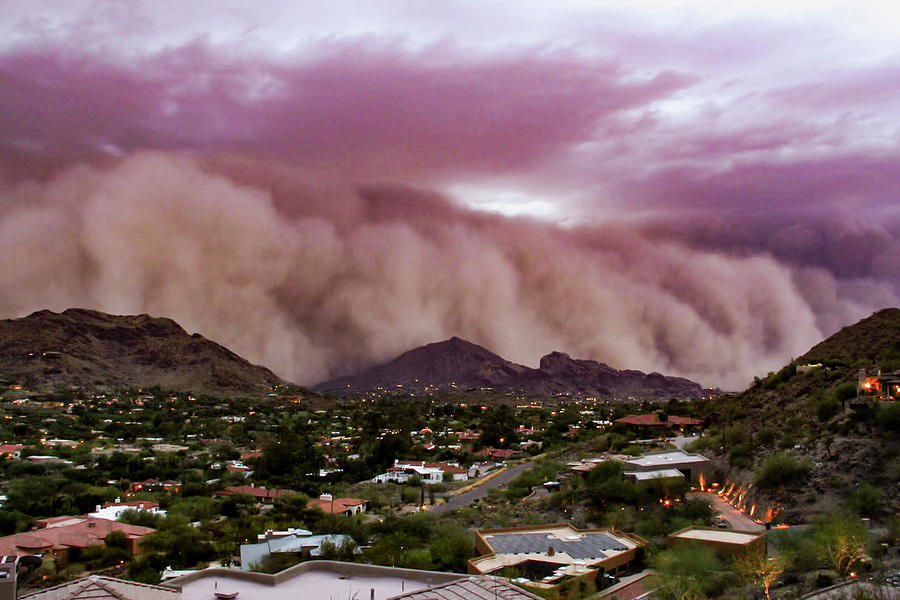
(692, 466)
(726, 543)
(656, 474)
(549, 555)
(333, 579)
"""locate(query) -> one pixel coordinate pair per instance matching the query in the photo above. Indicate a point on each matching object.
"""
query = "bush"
(688, 571)
(765, 437)
(866, 500)
(780, 469)
(889, 416)
(827, 407)
(738, 455)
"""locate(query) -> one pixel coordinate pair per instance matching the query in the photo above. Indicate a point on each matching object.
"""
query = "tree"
(759, 571)
(687, 572)
(452, 546)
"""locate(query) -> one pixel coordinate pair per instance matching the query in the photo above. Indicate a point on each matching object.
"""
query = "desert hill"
(48, 351)
(458, 364)
(868, 339)
(845, 445)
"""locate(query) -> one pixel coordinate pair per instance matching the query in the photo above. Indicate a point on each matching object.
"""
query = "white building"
(114, 510)
(403, 471)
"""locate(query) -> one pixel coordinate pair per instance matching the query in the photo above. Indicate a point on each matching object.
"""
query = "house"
(300, 542)
(727, 543)
(692, 466)
(316, 579)
(114, 510)
(62, 537)
(339, 506)
(428, 472)
(547, 555)
(499, 453)
(11, 450)
(261, 494)
(236, 466)
(333, 579)
(103, 588)
(655, 422)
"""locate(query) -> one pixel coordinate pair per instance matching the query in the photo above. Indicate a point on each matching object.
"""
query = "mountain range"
(458, 364)
(79, 348)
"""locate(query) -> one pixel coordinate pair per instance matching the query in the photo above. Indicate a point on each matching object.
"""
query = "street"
(480, 491)
(735, 518)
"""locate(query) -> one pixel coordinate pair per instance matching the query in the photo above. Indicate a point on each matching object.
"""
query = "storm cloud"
(309, 209)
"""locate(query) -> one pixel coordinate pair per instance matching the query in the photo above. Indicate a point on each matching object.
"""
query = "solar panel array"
(590, 545)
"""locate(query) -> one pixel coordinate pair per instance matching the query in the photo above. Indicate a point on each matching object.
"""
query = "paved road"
(480, 491)
(735, 518)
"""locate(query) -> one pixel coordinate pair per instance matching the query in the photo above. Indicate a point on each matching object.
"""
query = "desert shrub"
(866, 500)
(798, 547)
(734, 435)
(739, 455)
(410, 495)
(845, 392)
(765, 437)
(842, 541)
(826, 407)
(788, 439)
(688, 572)
(780, 469)
(889, 416)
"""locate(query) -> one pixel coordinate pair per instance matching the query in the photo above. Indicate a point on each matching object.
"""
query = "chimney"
(98, 509)
(8, 568)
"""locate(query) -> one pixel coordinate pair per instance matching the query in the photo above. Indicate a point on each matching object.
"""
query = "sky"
(702, 189)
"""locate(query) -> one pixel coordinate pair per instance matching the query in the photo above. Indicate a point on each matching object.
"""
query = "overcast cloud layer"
(707, 198)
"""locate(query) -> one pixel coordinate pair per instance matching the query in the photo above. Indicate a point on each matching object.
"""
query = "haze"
(686, 189)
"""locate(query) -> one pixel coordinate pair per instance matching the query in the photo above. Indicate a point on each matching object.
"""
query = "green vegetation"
(778, 470)
(689, 572)
(544, 470)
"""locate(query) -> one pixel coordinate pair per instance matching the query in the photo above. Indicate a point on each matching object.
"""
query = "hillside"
(869, 339)
(846, 448)
(87, 349)
(458, 364)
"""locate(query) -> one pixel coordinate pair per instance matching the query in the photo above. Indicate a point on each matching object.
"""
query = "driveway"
(480, 491)
(735, 518)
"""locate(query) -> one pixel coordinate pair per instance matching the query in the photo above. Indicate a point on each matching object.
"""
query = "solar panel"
(589, 545)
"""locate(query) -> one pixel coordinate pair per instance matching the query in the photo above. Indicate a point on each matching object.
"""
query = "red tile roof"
(337, 506)
(258, 492)
(652, 420)
(72, 532)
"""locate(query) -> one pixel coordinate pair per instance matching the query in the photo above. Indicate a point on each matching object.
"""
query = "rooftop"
(573, 550)
(475, 588)
(96, 587)
(717, 535)
(316, 579)
(664, 459)
(655, 474)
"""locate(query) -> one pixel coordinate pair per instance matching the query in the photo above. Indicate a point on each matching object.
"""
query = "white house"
(402, 471)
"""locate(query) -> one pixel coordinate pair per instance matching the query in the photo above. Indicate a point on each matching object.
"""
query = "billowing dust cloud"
(315, 280)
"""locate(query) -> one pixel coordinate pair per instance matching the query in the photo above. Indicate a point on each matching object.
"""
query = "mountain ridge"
(457, 363)
(89, 349)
